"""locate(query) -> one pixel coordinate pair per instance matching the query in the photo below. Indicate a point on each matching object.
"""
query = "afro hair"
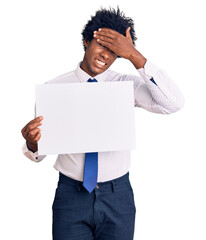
(108, 18)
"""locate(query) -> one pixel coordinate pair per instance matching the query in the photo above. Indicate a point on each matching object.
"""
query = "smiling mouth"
(100, 63)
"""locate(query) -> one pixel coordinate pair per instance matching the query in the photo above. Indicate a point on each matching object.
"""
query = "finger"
(97, 34)
(128, 35)
(31, 127)
(105, 44)
(104, 38)
(38, 136)
(37, 119)
(33, 133)
(128, 32)
(35, 139)
(108, 31)
(29, 136)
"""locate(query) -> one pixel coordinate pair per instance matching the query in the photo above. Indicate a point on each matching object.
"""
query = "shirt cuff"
(149, 72)
(29, 154)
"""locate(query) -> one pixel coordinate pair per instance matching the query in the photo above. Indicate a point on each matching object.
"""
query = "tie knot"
(92, 80)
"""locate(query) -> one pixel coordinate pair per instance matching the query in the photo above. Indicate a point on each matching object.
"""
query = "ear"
(86, 43)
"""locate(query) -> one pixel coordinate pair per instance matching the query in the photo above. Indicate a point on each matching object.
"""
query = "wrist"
(137, 59)
(32, 147)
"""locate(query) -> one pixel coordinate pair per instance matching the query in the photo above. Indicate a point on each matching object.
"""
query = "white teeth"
(101, 63)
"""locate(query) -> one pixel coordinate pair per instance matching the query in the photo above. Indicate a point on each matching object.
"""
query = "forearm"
(163, 96)
(137, 59)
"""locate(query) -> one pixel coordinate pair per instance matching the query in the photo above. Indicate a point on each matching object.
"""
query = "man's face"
(97, 58)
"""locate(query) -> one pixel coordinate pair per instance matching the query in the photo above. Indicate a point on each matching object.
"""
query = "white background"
(41, 40)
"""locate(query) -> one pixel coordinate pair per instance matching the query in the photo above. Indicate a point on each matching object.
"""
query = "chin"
(95, 71)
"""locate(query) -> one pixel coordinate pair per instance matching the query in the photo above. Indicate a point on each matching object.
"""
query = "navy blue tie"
(90, 166)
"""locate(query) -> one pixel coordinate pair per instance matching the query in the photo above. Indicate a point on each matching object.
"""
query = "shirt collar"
(83, 76)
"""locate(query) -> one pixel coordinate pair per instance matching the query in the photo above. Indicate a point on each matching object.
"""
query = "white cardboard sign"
(86, 117)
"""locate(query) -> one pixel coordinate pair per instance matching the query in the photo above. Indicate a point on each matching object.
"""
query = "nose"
(106, 54)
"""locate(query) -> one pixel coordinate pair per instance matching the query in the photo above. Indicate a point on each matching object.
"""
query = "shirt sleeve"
(156, 92)
(32, 156)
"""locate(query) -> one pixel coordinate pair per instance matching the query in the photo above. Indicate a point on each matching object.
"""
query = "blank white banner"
(86, 117)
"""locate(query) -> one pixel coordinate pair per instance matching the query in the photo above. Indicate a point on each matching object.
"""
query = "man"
(108, 212)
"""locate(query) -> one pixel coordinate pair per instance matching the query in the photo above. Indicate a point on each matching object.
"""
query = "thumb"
(128, 32)
(128, 35)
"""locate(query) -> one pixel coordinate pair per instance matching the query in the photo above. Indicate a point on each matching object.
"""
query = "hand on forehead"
(107, 32)
(115, 41)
